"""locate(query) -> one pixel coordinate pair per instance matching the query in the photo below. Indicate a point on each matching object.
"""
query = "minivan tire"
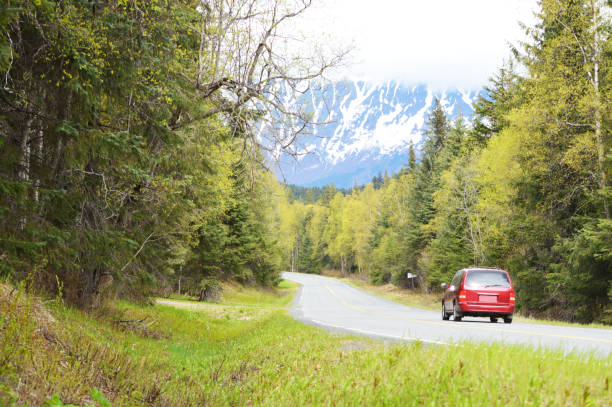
(494, 320)
(445, 316)
(508, 320)
(456, 313)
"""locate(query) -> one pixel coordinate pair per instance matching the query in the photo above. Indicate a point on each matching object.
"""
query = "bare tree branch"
(246, 71)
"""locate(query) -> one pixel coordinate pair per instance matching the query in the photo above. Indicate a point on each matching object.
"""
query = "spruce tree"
(411, 158)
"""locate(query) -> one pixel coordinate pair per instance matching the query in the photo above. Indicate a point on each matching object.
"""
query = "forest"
(136, 139)
(134, 143)
(522, 185)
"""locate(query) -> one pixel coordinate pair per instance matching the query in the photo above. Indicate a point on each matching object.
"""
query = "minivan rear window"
(487, 278)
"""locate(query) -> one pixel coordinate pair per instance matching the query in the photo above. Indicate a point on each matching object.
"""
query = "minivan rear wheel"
(494, 319)
(508, 320)
(456, 313)
(445, 316)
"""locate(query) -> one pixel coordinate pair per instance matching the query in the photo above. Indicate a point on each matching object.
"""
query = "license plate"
(487, 298)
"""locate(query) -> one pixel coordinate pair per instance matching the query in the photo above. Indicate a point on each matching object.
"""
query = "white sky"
(444, 43)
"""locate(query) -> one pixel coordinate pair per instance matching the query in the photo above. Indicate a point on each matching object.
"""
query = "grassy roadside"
(432, 302)
(235, 294)
(247, 351)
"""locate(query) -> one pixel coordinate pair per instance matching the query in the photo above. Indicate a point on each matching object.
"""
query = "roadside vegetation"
(523, 185)
(236, 294)
(239, 354)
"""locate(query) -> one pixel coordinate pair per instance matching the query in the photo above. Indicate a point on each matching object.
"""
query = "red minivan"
(479, 292)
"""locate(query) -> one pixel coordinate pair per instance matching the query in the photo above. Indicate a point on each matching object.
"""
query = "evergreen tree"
(329, 191)
(490, 109)
(310, 196)
(411, 158)
(436, 128)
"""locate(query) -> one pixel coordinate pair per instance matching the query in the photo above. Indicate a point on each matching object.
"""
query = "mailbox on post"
(411, 277)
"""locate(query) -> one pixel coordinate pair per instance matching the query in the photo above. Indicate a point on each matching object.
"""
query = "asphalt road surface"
(338, 306)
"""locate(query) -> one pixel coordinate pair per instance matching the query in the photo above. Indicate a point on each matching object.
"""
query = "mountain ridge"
(369, 130)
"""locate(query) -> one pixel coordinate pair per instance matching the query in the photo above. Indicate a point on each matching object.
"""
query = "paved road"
(339, 306)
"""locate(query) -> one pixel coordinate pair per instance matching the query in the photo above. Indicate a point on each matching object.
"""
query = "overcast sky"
(439, 42)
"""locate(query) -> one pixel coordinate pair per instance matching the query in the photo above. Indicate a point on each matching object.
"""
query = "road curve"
(335, 305)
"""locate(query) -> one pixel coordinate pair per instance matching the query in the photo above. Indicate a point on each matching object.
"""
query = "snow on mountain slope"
(370, 127)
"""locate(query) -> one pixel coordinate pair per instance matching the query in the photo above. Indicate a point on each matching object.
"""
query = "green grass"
(238, 295)
(240, 354)
(520, 318)
(279, 297)
(182, 297)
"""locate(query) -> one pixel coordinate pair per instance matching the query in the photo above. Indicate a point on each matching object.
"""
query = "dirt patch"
(332, 273)
(219, 311)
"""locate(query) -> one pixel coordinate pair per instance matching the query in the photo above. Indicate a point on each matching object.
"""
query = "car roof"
(484, 268)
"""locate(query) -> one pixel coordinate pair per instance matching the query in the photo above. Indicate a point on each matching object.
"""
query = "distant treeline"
(526, 187)
(314, 194)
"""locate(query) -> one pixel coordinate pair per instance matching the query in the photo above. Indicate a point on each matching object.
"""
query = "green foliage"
(307, 261)
(310, 195)
(55, 401)
(112, 178)
(586, 265)
(96, 395)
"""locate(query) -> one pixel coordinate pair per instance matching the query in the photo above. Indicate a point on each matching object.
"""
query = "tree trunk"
(38, 161)
(468, 194)
(59, 147)
(297, 256)
(603, 182)
(23, 174)
(24, 150)
(95, 286)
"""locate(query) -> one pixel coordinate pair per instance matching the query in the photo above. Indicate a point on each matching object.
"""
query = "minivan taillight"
(512, 297)
(462, 295)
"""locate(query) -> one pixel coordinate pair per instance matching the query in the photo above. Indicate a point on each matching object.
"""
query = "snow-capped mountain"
(370, 127)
